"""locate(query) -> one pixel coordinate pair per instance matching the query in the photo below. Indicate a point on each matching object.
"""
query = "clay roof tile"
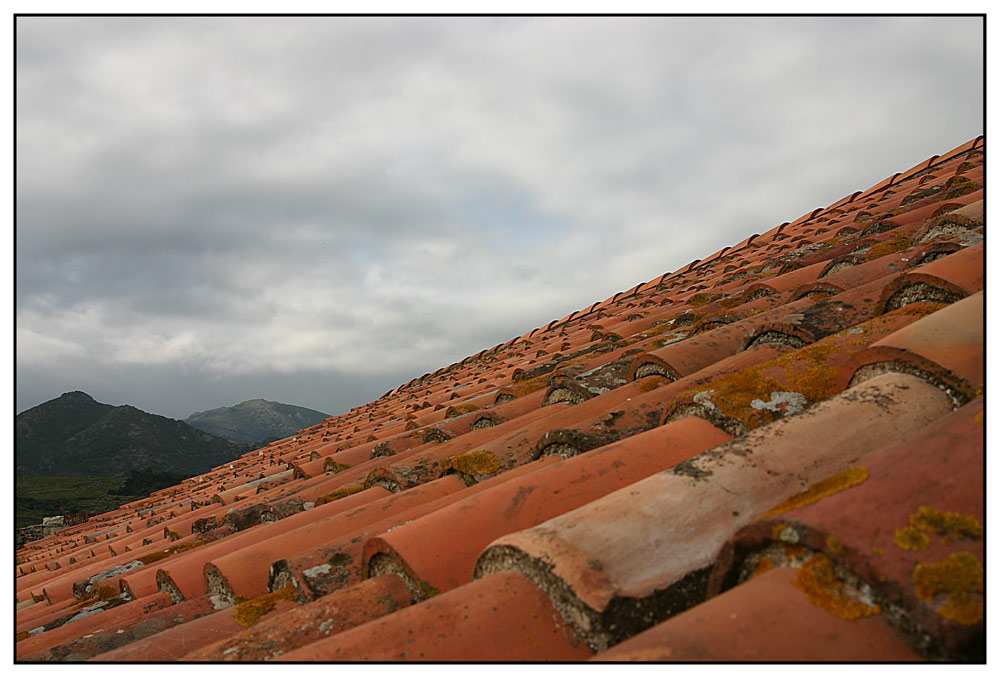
(521, 621)
(885, 524)
(598, 560)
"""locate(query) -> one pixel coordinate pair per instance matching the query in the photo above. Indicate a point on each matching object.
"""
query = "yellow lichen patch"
(959, 577)
(764, 565)
(339, 494)
(153, 557)
(651, 382)
(911, 539)
(732, 394)
(731, 302)
(476, 463)
(106, 592)
(248, 613)
(888, 247)
(329, 465)
(980, 418)
(835, 545)
(915, 310)
(959, 525)
(702, 298)
(824, 588)
(805, 372)
(23, 635)
(824, 488)
(530, 385)
(877, 551)
(180, 548)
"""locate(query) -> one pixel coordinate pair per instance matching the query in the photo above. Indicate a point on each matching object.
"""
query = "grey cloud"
(254, 199)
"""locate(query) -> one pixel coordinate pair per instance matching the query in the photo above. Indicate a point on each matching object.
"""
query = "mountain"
(74, 435)
(256, 421)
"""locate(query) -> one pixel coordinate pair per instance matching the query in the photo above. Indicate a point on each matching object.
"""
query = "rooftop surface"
(774, 453)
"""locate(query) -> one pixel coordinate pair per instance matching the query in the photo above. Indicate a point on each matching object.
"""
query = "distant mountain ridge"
(74, 435)
(256, 421)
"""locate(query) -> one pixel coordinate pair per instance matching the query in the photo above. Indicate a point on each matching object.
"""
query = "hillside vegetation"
(75, 436)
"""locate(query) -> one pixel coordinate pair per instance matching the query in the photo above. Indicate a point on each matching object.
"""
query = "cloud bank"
(317, 209)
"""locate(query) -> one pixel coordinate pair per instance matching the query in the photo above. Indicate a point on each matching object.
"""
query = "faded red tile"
(500, 618)
(648, 546)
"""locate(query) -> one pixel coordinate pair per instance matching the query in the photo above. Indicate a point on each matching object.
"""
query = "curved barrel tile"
(946, 347)
(947, 279)
(327, 616)
(690, 355)
(904, 523)
(243, 572)
(500, 618)
(182, 575)
(788, 383)
(769, 619)
(440, 549)
(122, 632)
(641, 554)
(175, 642)
(90, 619)
(324, 568)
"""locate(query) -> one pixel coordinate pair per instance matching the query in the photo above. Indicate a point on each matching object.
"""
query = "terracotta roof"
(773, 453)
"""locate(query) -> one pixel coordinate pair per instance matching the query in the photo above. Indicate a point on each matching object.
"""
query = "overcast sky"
(316, 210)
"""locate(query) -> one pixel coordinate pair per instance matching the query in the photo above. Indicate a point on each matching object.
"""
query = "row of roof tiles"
(784, 435)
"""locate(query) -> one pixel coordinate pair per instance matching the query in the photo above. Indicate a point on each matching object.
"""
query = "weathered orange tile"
(767, 619)
(946, 347)
(905, 523)
(175, 642)
(323, 569)
(947, 279)
(688, 356)
(642, 554)
(788, 383)
(38, 616)
(99, 615)
(440, 549)
(121, 632)
(327, 616)
(244, 572)
(183, 574)
(500, 618)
